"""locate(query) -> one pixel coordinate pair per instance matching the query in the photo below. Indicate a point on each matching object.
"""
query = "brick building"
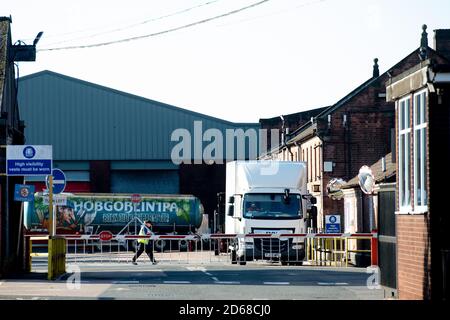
(357, 130)
(11, 133)
(422, 99)
(287, 123)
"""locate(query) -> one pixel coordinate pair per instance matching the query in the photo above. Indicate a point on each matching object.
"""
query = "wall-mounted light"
(329, 120)
(344, 120)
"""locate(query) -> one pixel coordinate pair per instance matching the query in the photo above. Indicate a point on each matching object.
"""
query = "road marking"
(125, 282)
(227, 282)
(332, 283)
(277, 283)
(177, 282)
(196, 269)
(215, 279)
(209, 274)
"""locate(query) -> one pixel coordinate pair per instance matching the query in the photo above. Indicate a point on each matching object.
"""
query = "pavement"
(191, 281)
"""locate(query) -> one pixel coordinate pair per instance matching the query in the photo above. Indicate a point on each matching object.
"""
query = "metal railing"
(287, 249)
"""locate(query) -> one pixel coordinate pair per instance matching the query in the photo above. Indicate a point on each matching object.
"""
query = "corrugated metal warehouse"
(106, 140)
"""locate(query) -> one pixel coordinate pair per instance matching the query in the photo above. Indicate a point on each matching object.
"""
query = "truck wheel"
(242, 260)
(160, 245)
(183, 245)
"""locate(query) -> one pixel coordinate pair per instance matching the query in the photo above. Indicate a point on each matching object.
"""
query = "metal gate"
(387, 240)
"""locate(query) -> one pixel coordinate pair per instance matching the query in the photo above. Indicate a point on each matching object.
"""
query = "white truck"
(266, 197)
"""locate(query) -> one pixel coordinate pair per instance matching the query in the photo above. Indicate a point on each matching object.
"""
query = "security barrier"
(334, 249)
(287, 249)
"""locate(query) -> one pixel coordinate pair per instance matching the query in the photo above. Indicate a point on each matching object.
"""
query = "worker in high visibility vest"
(145, 244)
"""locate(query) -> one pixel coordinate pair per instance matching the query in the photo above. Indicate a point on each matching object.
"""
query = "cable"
(138, 24)
(103, 27)
(157, 33)
(277, 13)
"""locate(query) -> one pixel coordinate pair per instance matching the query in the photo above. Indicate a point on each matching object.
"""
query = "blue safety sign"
(28, 160)
(23, 192)
(333, 223)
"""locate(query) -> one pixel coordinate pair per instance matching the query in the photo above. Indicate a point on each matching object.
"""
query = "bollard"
(374, 248)
(56, 257)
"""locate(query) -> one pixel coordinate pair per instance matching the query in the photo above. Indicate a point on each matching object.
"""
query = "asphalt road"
(193, 281)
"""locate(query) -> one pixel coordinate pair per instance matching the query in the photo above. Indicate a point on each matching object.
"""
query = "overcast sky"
(280, 57)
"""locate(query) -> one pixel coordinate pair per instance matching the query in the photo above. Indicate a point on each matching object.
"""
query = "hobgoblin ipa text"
(125, 206)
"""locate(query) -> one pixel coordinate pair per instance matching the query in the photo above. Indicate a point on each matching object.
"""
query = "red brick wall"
(413, 257)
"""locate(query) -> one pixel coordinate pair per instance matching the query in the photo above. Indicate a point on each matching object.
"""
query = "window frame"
(406, 131)
(421, 130)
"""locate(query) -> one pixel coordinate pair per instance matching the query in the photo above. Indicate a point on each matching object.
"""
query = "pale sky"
(281, 57)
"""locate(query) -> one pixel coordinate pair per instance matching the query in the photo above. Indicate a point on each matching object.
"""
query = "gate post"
(56, 257)
(374, 248)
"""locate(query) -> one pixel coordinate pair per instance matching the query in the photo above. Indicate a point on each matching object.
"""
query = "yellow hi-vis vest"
(143, 232)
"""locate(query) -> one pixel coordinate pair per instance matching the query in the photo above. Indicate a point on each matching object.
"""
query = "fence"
(287, 249)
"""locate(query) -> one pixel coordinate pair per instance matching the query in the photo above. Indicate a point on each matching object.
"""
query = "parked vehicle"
(88, 213)
(266, 197)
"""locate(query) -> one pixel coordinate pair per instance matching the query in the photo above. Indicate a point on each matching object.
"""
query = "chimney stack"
(376, 70)
(442, 42)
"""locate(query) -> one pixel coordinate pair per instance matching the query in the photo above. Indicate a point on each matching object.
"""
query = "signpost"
(59, 181)
(37, 160)
(23, 193)
(28, 160)
(333, 223)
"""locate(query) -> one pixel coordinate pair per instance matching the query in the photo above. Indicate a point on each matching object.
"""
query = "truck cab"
(266, 197)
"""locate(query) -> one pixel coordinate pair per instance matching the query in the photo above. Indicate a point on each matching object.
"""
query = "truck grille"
(272, 245)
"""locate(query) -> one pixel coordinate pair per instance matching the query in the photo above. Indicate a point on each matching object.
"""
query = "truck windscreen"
(272, 206)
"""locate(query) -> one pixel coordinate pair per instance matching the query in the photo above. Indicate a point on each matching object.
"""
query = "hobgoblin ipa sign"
(116, 211)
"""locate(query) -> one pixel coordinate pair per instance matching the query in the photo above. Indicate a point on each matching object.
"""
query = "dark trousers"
(148, 248)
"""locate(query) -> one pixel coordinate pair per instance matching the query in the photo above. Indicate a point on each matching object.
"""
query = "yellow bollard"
(307, 249)
(30, 262)
(346, 252)
(56, 258)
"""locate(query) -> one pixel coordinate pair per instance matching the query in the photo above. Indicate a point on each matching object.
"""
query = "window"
(404, 155)
(420, 152)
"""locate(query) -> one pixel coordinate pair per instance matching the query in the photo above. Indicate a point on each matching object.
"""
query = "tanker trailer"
(88, 213)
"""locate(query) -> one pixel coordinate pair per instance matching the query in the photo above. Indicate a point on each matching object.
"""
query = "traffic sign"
(23, 193)
(105, 235)
(28, 160)
(59, 181)
(333, 223)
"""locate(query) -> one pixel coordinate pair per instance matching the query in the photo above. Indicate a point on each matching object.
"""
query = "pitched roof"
(87, 121)
(377, 171)
(358, 90)
(135, 97)
(311, 112)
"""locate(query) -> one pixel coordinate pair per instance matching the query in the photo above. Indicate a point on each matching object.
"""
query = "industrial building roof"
(87, 121)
